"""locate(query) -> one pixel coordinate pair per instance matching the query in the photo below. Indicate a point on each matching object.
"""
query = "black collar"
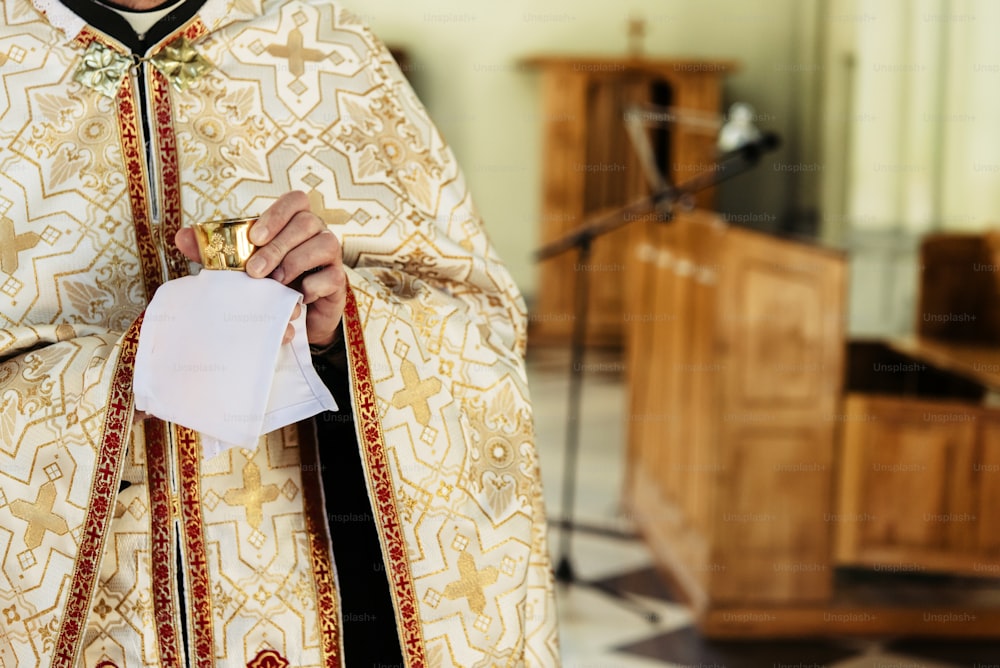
(114, 25)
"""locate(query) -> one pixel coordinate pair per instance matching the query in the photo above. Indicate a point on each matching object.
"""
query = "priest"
(407, 528)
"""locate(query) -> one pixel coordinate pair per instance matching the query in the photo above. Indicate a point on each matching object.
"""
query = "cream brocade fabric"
(300, 95)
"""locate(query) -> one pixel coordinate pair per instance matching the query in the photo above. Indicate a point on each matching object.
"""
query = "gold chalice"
(225, 244)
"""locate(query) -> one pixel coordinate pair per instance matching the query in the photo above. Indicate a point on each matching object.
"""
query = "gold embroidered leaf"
(37, 365)
(58, 109)
(370, 162)
(242, 158)
(239, 103)
(68, 163)
(504, 406)
(8, 419)
(354, 114)
(85, 298)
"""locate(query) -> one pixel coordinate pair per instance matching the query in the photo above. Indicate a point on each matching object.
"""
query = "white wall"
(911, 135)
(466, 58)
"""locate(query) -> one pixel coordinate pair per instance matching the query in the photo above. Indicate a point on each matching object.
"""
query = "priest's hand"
(295, 248)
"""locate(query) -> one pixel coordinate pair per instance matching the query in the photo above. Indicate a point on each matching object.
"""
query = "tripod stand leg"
(564, 572)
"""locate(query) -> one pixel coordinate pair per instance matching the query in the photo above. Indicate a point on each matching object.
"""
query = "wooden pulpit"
(735, 342)
(786, 478)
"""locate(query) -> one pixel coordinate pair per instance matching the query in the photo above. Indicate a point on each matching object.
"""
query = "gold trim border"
(103, 494)
(327, 598)
(196, 556)
(372, 443)
(166, 144)
(163, 548)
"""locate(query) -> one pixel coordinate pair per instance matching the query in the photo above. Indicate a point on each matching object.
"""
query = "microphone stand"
(663, 200)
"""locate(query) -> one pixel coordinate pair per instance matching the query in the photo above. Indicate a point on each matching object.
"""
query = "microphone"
(739, 137)
(751, 151)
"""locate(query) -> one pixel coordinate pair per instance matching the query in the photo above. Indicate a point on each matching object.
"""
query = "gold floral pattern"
(502, 460)
(180, 63)
(222, 136)
(102, 69)
(112, 300)
(217, 246)
(384, 142)
(26, 390)
(74, 142)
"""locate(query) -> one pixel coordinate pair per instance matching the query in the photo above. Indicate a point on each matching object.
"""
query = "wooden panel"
(641, 274)
(672, 375)
(565, 146)
(851, 465)
(907, 483)
(705, 370)
(771, 537)
(692, 147)
(782, 311)
(590, 166)
(672, 363)
(986, 468)
(780, 336)
(656, 318)
(675, 348)
(681, 549)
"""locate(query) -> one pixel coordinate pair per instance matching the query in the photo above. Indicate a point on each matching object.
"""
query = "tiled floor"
(598, 633)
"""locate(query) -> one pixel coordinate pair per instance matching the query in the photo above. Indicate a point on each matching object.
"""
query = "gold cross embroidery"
(416, 392)
(12, 243)
(296, 54)
(252, 496)
(317, 203)
(39, 516)
(472, 583)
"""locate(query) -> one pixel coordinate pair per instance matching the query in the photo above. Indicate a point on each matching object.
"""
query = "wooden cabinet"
(589, 166)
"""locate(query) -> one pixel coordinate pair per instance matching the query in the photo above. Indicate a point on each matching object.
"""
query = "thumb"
(186, 243)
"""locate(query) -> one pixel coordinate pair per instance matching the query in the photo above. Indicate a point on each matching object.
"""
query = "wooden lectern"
(729, 330)
(769, 459)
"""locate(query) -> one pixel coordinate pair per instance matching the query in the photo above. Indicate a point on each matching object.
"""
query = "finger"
(331, 281)
(326, 294)
(289, 334)
(270, 258)
(187, 244)
(319, 251)
(296, 312)
(277, 216)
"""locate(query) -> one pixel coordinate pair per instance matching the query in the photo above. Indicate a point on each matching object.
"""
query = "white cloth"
(210, 358)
